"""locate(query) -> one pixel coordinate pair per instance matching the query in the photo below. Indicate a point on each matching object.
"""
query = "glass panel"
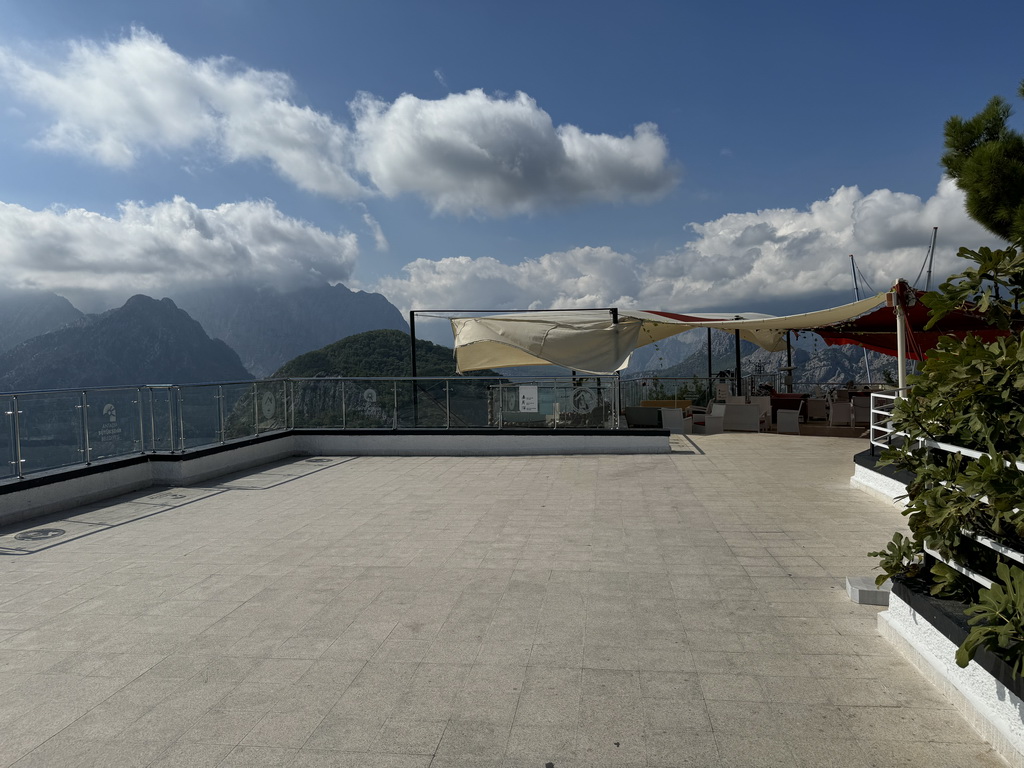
(51, 430)
(468, 397)
(7, 452)
(369, 404)
(200, 415)
(272, 405)
(584, 403)
(113, 423)
(319, 403)
(159, 419)
(236, 399)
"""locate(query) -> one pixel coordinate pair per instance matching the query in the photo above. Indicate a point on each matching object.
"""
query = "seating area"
(785, 413)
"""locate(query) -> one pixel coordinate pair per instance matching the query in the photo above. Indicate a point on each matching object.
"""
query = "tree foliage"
(971, 394)
(986, 159)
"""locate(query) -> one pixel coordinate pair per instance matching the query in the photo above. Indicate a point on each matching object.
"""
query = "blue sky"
(660, 155)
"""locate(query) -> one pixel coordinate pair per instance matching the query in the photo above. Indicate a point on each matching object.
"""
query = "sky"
(478, 155)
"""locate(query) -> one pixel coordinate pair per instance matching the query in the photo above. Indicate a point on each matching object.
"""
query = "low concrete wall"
(878, 485)
(54, 492)
(475, 444)
(993, 710)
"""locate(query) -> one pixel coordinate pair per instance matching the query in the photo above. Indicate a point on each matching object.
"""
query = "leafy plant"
(901, 557)
(997, 620)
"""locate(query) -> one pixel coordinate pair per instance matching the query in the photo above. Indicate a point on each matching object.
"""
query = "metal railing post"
(220, 412)
(344, 407)
(394, 406)
(142, 420)
(85, 426)
(180, 400)
(501, 406)
(14, 413)
(255, 410)
(447, 404)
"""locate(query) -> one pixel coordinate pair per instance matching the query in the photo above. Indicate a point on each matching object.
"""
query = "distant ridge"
(143, 342)
(373, 353)
(268, 327)
(26, 313)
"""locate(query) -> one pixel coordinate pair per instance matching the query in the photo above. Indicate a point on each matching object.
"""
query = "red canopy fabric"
(876, 330)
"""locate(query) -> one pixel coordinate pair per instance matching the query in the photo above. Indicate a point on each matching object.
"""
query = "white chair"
(841, 415)
(817, 408)
(788, 421)
(741, 417)
(764, 403)
(735, 400)
(711, 423)
(673, 420)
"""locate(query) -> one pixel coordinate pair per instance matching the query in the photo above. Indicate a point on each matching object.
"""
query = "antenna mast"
(929, 258)
(856, 293)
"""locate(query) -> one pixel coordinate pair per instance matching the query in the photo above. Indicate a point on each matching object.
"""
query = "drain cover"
(169, 496)
(39, 534)
(318, 461)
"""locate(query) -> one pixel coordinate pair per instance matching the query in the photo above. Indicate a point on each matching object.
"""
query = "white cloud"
(98, 261)
(378, 234)
(465, 154)
(472, 153)
(785, 256)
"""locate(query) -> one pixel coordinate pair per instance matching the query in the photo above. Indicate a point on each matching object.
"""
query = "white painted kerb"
(996, 713)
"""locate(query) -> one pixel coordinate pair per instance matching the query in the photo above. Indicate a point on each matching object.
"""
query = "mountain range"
(143, 342)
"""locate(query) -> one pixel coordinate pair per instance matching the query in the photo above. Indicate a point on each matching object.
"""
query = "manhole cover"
(39, 534)
(318, 461)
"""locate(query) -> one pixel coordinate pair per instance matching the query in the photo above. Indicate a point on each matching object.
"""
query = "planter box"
(928, 631)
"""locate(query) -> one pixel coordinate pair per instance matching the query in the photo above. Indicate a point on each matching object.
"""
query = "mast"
(930, 257)
(856, 293)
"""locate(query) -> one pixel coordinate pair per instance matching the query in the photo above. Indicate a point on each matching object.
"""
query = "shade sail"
(592, 341)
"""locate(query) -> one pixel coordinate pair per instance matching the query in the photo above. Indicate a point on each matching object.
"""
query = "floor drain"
(169, 496)
(39, 534)
(318, 461)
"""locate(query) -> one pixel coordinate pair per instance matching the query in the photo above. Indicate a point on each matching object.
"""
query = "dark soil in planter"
(948, 617)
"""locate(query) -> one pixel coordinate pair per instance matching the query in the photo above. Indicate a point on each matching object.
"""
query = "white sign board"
(528, 399)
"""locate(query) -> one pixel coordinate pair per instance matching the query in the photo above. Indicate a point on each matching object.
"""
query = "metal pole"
(856, 293)
(789, 364)
(255, 410)
(931, 257)
(16, 432)
(739, 382)
(85, 427)
(142, 421)
(710, 372)
(447, 404)
(344, 408)
(181, 418)
(394, 404)
(901, 345)
(220, 412)
(412, 351)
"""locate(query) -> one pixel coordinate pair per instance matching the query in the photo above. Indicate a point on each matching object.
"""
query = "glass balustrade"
(42, 431)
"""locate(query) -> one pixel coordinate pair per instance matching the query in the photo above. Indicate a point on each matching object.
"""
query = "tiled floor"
(671, 610)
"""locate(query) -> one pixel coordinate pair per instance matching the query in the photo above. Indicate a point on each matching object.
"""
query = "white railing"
(883, 434)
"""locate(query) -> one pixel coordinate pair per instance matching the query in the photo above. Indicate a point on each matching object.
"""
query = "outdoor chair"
(638, 417)
(841, 415)
(712, 422)
(741, 417)
(764, 403)
(817, 409)
(788, 421)
(675, 422)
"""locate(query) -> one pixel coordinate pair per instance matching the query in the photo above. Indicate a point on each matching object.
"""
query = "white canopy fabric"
(590, 342)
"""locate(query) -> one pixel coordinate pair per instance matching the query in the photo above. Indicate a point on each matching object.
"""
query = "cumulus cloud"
(783, 256)
(375, 229)
(97, 261)
(472, 153)
(466, 154)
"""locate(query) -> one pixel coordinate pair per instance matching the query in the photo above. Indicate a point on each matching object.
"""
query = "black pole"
(710, 373)
(739, 382)
(789, 365)
(412, 348)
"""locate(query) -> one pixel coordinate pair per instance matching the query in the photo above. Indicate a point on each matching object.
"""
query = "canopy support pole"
(901, 343)
(739, 375)
(789, 364)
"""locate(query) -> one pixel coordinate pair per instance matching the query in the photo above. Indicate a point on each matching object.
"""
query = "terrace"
(654, 609)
